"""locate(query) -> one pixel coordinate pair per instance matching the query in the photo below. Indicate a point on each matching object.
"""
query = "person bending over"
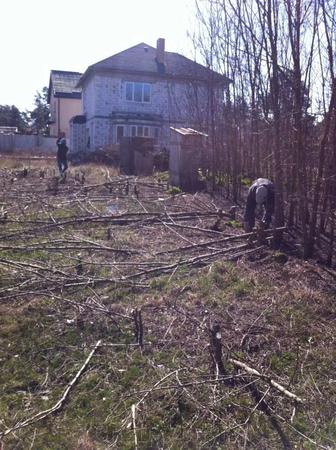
(260, 196)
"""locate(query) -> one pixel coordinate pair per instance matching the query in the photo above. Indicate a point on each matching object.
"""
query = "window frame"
(145, 131)
(131, 88)
(141, 130)
(123, 133)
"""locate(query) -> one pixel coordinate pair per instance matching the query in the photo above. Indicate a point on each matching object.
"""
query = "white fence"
(26, 142)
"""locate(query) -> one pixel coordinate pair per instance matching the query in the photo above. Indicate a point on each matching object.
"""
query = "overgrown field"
(133, 315)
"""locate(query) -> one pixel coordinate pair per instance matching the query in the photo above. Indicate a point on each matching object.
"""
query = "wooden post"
(79, 266)
(260, 234)
(138, 327)
(216, 351)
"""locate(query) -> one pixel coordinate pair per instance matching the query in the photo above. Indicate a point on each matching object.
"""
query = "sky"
(40, 35)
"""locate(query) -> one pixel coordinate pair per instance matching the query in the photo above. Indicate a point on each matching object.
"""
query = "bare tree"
(279, 56)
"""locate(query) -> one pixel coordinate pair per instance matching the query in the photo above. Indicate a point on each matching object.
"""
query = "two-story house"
(65, 100)
(142, 91)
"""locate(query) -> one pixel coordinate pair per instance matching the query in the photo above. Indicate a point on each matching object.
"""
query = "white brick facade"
(133, 94)
(171, 104)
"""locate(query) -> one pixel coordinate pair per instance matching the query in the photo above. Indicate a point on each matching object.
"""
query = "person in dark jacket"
(62, 151)
(260, 195)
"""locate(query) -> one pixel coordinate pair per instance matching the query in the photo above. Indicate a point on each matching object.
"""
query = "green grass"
(162, 177)
(234, 224)
(174, 190)
(245, 181)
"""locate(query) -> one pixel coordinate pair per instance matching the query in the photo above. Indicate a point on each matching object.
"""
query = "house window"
(139, 131)
(120, 133)
(146, 92)
(138, 92)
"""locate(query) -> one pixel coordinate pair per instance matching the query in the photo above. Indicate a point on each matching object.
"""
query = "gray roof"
(64, 84)
(142, 59)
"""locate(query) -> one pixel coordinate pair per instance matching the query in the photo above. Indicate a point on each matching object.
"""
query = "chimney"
(160, 50)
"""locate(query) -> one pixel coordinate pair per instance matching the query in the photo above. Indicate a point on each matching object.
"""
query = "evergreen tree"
(10, 116)
(40, 116)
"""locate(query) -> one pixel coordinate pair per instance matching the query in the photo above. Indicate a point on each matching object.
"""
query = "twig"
(169, 328)
(156, 385)
(42, 414)
(273, 383)
(143, 398)
(239, 425)
(302, 434)
(133, 408)
(264, 407)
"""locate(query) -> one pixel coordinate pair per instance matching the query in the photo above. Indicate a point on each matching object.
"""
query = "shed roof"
(188, 132)
(64, 84)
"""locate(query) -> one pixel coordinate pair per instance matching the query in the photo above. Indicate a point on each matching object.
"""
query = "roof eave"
(220, 79)
(49, 90)
(77, 95)
(84, 77)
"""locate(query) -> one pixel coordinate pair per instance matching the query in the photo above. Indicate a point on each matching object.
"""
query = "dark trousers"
(250, 217)
(62, 164)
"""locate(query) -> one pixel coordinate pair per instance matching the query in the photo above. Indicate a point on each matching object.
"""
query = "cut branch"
(42, 414)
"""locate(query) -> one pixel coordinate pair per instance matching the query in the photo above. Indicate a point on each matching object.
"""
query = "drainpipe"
(58, 116)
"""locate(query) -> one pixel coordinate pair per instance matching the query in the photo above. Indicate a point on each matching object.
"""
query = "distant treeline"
(35, 121)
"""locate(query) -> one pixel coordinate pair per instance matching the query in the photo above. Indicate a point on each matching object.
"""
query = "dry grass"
(73, 270)
(85, 443)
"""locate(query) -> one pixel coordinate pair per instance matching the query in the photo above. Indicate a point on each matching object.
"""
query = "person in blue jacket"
(260, 195)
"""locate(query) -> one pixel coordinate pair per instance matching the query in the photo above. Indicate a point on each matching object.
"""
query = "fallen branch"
(121, 219)
(273, 383)
(263, 406)
(212, 241)
(133, 408)
(42, 414)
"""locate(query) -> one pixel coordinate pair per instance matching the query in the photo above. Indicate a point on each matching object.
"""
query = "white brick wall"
(179, 104)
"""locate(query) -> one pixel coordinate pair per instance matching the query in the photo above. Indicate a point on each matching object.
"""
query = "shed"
(185, 157)
(136, 156)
